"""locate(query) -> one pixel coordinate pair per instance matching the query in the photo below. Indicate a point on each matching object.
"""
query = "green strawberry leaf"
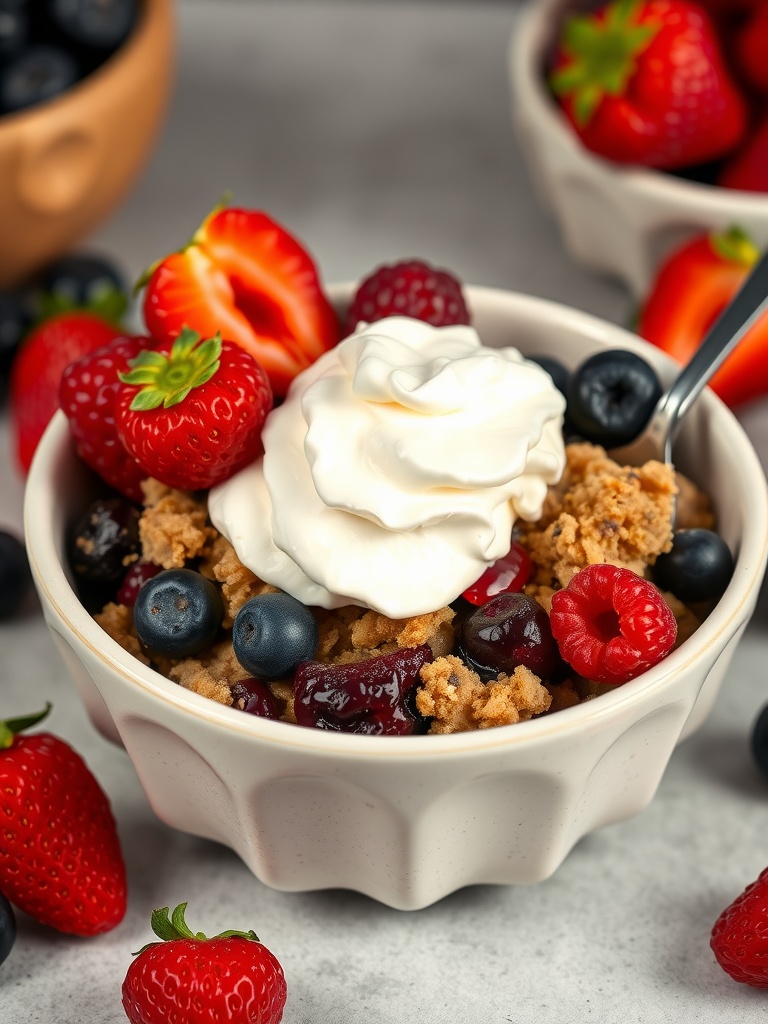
(735, 245)
(601, 56)
(11, 727)
(175, 927)
(167, 379)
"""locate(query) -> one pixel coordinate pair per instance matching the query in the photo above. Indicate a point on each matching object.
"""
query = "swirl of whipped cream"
(394, 471)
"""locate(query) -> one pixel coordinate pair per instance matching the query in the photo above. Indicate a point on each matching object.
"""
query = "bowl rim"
(151, 13)
(534, 103)
(40, 505)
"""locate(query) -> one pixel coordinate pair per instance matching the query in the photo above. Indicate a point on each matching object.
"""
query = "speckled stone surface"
(377, 130)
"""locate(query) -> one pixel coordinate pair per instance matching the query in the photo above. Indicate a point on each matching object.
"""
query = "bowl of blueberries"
(408, 815)
(83, 86)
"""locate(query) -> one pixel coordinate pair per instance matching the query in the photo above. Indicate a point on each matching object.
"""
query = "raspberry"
(740, 935)
(87, 395)
(610, 624)
(411, 288)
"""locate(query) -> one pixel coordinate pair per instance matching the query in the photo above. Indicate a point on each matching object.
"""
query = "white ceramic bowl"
(613, 218)
(408, 820)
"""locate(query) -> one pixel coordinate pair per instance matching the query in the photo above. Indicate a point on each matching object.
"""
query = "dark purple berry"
(698, 568)
(255, 698)
(105, 541)
(82, 281)
(611, 397)
(178, 613)
(7, 928)
(561, 376)
(15, 576)
(134, 580)
(759, 741)
(272, 634)
(510, 630)
(35, 74)
(371, 698)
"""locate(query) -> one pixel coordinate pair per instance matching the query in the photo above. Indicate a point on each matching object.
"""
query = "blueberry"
(7, 928)
(15, 577)
(14, 25)
(273, 634)
(560, 375)
(35, 74)
(102, 24)
(15, 322)
(178, 613)
(611, 397)
(105, 542)
(83, 280)
(698, 568)
(759, 742)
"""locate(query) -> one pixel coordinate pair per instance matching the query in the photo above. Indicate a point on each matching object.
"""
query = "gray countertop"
(374, 131)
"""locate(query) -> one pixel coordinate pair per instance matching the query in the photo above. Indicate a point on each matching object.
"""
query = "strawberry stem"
(601, 52)
(735, 246)
(175, 927)
(168, 379)
(11, 727)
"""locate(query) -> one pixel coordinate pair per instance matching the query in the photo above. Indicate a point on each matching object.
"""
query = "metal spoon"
(655, 442)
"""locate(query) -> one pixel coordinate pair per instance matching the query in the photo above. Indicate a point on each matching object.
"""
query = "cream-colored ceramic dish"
(616, 219)
(408, 820)
(65, 164)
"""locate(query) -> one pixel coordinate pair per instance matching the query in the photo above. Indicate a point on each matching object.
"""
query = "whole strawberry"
(645, 82)
(60, 858)
(87, 394)
(740, 935)
(191, 414)
(191, 978)
(37, 370)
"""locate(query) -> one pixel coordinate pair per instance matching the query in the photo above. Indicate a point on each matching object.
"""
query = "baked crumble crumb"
(601, 512)
(458, 701)
(117, 621)
(173, 527)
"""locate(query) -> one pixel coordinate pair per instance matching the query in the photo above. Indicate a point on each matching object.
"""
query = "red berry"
(60, 858)
(610, 624)
(507, 575)
(191, 978)
(134, 580)
(37, 370)
(191, 414)
(87, 394)
(411, 288)
(740, 935)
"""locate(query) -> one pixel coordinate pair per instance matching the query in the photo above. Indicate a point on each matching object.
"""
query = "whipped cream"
(395, 468)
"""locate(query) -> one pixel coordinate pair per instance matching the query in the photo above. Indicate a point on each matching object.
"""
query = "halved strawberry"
(244, 276)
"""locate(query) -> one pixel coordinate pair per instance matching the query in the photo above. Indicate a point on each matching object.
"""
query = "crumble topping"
(457, 699)
(600, 512)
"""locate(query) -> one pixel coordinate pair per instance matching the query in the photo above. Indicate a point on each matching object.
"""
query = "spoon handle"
(721, 339)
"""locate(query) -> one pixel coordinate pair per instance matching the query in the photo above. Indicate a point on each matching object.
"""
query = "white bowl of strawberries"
(664, 139)
(420, 642)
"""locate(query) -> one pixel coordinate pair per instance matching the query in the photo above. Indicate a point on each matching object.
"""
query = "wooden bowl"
(66, 164)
